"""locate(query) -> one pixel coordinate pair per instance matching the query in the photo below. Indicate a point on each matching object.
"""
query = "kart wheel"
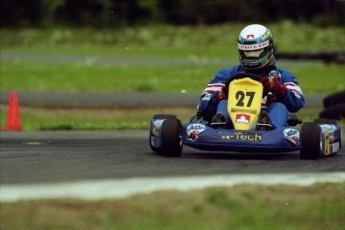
(171, 138)
(334, 99)
(325, 121)
(311, 133)
(164, 116)
(154, 149)
(334, 112)
(328, 121)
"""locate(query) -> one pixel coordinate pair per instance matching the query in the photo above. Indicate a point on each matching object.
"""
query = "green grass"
(35, 118)
(315, 207)
(35, 76)
(91, 119)
(76, 77)
(202, 51)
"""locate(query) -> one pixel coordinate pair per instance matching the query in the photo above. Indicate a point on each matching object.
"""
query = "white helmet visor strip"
(253, 46)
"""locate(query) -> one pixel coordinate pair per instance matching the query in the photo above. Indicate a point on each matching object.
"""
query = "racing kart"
(319, 138)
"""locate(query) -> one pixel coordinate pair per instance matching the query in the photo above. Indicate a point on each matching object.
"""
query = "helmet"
(255, 46)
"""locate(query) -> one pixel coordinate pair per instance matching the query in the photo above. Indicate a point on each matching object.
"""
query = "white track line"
(122, 188)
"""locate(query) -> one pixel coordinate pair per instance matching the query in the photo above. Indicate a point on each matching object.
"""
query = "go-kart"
(322, 137)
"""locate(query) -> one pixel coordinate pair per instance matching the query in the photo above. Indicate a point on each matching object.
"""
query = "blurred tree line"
(110, 13)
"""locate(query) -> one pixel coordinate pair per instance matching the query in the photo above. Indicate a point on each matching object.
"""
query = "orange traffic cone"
(13, 117)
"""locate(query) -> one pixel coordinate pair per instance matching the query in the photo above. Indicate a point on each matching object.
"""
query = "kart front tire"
(171, 138)
(311, 135)
(159, 116)
(154, 149)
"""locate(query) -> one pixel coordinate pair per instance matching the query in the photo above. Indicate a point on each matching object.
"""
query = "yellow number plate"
(244, 104)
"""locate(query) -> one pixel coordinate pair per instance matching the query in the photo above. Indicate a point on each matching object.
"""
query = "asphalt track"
(69, 156)
(75, 162)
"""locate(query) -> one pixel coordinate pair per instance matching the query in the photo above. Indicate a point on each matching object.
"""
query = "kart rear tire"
(334, 112)
(325, 121)
(311, 134)
(334, 99)
(171, 138)
(328, 121)
(164, 116)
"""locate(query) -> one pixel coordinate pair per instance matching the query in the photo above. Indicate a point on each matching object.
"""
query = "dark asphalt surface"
(113, 100)
(101, 100)
(67, 156)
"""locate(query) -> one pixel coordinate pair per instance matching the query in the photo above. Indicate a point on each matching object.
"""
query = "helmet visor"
(253, 54)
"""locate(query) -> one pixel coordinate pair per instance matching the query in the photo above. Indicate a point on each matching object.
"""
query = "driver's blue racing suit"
(278, 109)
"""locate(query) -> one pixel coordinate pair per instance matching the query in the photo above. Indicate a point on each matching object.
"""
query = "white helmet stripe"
(254, 46)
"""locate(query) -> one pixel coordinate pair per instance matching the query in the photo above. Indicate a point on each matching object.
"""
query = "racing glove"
(266, 83)
(272, 85)
(222, 94)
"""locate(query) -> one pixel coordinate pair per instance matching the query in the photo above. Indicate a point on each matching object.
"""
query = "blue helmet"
(255, 46)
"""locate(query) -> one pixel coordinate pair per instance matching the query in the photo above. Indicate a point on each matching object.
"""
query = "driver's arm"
(211, 96)
(294, 99)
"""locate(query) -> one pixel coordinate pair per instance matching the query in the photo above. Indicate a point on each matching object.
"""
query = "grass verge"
(40, 118)
(316, 207)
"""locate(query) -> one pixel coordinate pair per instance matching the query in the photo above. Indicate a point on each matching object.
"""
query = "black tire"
(326, 121)
(164, 116)
(311, 133)
(171, 138)
(159, 116)
(334, 99)
(334, 112)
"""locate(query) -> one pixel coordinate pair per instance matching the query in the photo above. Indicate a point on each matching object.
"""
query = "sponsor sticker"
(250, 36)
(207, 97)
(193, 131)
(268, 33)
(274, 73)
(244, 136)
(242, 118)
(327, 128)
(292, 135)
(251, 111)
(254, 46)
(334, 147)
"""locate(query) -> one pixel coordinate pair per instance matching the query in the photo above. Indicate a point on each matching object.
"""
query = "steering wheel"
(237, 76)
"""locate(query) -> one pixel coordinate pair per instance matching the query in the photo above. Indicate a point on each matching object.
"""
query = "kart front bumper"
(202, 137)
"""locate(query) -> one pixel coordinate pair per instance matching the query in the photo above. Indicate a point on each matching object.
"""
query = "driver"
(282, 93)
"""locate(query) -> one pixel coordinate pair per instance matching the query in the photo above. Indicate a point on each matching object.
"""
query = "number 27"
(240, 95)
